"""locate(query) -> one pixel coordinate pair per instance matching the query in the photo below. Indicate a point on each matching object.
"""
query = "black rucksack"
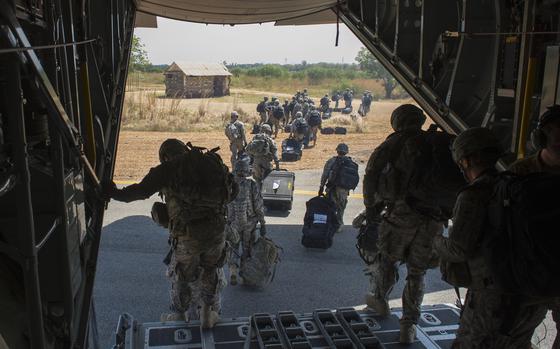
(340, 130)
(278, 112)
(436, 179)
(344, 174)
(319, 223)
(327, 131)
(301, 127)
(314, 118)
(261, 107)
(521, 246)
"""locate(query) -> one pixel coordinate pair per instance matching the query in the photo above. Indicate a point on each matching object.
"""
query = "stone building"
(196, 80)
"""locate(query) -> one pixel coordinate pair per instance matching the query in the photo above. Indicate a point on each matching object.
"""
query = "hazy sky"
(183, 41)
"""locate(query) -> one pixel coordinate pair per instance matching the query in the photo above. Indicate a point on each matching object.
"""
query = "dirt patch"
(138, 150)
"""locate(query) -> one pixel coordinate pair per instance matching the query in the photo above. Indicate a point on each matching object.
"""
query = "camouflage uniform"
(262, 164)
(489, 319)
(194, 310)
(243, 214)
(297, 108)
(404, 236)
(294, 130)
(236, 145)
(197, 235)
(277, 121)
(523, 167)
(336, 194)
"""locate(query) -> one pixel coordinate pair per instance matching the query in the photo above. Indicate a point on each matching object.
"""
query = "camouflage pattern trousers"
(492, 320)
(197, 303)
(276, 125)
(404, 236)
(264, 117)
(236, 148)
(245, 238)
(194, 268)
(340, 198)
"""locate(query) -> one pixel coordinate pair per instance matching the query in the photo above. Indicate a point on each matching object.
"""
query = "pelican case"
(278, 190)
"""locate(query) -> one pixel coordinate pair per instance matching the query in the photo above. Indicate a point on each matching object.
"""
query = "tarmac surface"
(131, 276)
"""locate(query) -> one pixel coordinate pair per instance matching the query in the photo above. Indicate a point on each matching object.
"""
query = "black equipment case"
(291, 150)
(278, 190)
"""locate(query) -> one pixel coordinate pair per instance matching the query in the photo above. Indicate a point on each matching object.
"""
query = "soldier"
(299, 129)
(348, 96)
(336, 98)
(305, 94)
(277, 113)
(243, 214)
(263, 150)
(296, 109)
(291, 116)
(545, 138)
(324, 103)
(484, 321)
(405, 235)
(314, 120)
(305, 107)
(196, 232)
(336, 194)
(286, 108)
(235, 132)
(366, 102)
(261, 109)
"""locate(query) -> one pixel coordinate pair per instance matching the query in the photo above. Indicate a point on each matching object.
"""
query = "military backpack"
(521, 244)
(260, 268)
(344, 174)
(259, 146)
(203, 180)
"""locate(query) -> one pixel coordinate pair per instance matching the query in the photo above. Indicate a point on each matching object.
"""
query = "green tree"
(372, 66)
(138, 55)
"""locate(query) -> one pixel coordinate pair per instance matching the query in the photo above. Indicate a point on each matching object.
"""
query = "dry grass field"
(201, 121)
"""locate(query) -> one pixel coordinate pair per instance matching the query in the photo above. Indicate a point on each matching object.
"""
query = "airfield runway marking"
(296, 192)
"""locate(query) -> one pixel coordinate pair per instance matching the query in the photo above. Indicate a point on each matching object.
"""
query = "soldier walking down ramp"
(263, 150)
(235, 132)
(405, 235)
(335, 192)
(196, 186)
(243, 214)
(490, 317)
(545, 138)
(277, 117)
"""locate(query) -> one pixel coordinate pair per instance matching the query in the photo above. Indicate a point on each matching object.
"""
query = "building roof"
(287, 12)
(199, 69)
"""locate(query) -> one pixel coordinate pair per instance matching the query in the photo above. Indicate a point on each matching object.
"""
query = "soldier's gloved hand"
(108, 190)
(321, 191)
(263, 230)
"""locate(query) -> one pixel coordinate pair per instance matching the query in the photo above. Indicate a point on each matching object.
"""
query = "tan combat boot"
(380, 306)
(208, 317)
(408, 333)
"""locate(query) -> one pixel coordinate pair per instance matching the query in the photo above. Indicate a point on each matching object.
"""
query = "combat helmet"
(477, 140)
(299, 114)
(407, 116)
(242, 168)
(266, 129)
(170, 148)
(342, 148)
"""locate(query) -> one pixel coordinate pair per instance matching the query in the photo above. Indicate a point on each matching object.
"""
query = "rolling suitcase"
(291, 150)
(347, 110)
(278, 190)
(319, 223)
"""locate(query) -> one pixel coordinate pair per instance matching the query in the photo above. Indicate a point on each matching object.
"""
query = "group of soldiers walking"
(410, 231)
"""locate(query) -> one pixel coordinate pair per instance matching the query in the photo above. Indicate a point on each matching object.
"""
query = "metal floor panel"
(436, 330)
